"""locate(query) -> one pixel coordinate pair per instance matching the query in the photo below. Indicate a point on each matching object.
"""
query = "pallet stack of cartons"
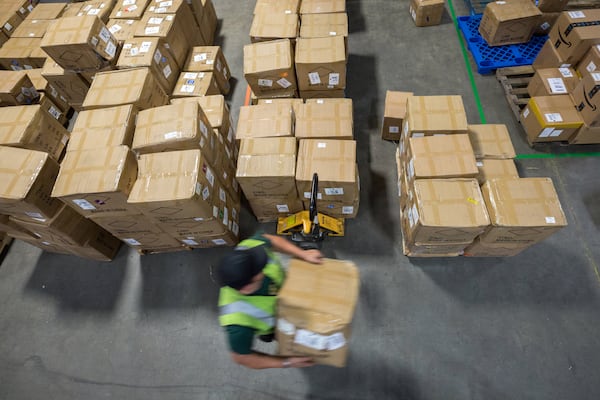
(563, 104)
(12, 15)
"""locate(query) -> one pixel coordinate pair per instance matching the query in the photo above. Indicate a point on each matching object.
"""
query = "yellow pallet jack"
(309, 228)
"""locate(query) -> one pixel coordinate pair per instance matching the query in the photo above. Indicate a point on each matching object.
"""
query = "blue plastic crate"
(489, 58)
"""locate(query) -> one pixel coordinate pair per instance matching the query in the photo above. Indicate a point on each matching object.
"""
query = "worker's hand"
(299, 362)
(312, 256)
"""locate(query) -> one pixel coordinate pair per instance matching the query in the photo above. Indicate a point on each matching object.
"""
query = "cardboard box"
(27, 177)
(281, 6)
(154, 241)
(574, 33)
(315, 308)
(33, 28)
(322, 94)
(35, 76)
(265, 121)
(394, 113)
(552, 5)
(29, 127)
(495, 169)
(274, 25)
(412, 249)
(491, 141)
(586, 99)
(9, 21)
(482, 249)
(68, 84)
(509, 22)
(174, 185)
(22, 53)
(104, 127)
(195, 84)
(174, 127)
(46, 11)
(210, 59)
(3, 38)
(322, 6)
(100, 246)
(126, 226)
(426, 12)
(294, 103)
(446, 211)
(99, 8)
(16, 89)
(181, 10)
(522, 210)
(334, 208)
(269, 68)
(266, 167)
(122, 29)
(586, 135)
(169, 28)
(58, 99)
(430, 115)
(321, 63)
(550, 118)
(552, 81)
(8, 226)
(324, 25)
(129, 9)
(325, 119)
(269, 209)
(152, 53)
(97, 181)
(80, 43)
(135, 86)
(54, 111)
(548, 57)
(335, 163)
(545, 23)
(445, 156)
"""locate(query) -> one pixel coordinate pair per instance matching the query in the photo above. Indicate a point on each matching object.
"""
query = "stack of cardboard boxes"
(563, 104)
(442, 161)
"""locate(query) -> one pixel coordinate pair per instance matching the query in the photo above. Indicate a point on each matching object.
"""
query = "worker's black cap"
(239, 267)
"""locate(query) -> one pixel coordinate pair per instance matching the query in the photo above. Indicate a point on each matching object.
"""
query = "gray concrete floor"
(455, 328)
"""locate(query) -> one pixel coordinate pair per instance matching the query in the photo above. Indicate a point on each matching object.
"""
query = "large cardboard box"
(552, 81)
(522, 210)
(325, 119)
(393, 114)
(135, 86)
(480, 248)
(444, 156)
(169, 28)
(210, 59)
(574, 33)
(430, 115)
(266, 167)
(104, 127)
(80, 43)
(27, 177)
(548, 57)
(322, 94)
(52, 109)
(282, 6)
(590, 61)
(269, 68)
(411, 248)
(22, 53)
(46, 11)
(13, 229)
(509, 22)
(31, 29)
(122, 29)
(30, 127)
(129, 9)
(446, 211)
(153, 241)
(495, 169)
(174, 127)
(267, 120)
(174, 185)
(126, 226)
(9, 20)
(16, 89)
(274, 25)
(181, 11)
(70, 85)
(321, 63)
(552, 5)
(294, 103)
(586, 135)
(269, 209)
(153, 53)
(322, 6)
(586, 99)
(99, 8)
(315, 307)
(324, 25)
(426, 12)
(491, 141)
(335, 163)
(550, 119)
(99, 246)
(334, 208)
(97, 181)
(196, 84)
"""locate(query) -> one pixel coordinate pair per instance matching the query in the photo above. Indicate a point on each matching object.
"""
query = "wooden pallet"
(514, 81)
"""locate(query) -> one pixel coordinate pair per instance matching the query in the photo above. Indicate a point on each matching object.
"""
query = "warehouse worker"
(250, 277)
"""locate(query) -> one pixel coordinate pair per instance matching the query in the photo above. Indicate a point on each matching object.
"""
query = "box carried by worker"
(315, 308)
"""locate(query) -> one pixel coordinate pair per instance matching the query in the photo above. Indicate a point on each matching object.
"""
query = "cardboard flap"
(19, 169)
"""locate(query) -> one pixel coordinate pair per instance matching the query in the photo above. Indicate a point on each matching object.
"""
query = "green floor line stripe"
(565, 155)
(467, 63)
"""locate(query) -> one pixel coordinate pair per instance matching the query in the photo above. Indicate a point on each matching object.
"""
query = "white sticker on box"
(591, 67)
(166, 3)
(22, 10)
(84, 204)
(161, 10)
(171, 135)
(167, 71)
(307, 196)
(347, 210)
(190, 75)
(334, 191)
(145, 47)
(418, 134)
(30, 7)
(187, 88)
(596, 76)
(336, 341)
(155, 21)
(479, 163)
(94, 11)
(557, 132)
(210, 177)
(119, 14)
(553, 117)
(285, 327)
(94, 41)
(151, 30)
(198, 219)
(132, 8)
(332, 33)
(170, 17)
(576, 14)
(219, 242)
(130, 22)
(132, 242)
(205, 193)
(200, 57)
(128, 2)
(321, 145)
(190, 242)
(557, 85)
(565, 65)
(115, 28)
(284, 83)
(546, 132)
(54, 112)
(128, 46)
(34, 215)
(565, 72)
(334, 78)
(287, 12)
(222, 195)
(198, 188)
(268, 101)
(550, 220)
(225, 216)
(215, 211)
(526, 112)
(282, 208)
(64, 139)
(310, 339)
(314, 78)
(394, 129)
(235, 228)
(265, 82)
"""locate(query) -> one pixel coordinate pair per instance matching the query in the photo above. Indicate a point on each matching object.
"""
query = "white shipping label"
(34, 215)
(190, 75)
(128, 2)
(155, 21)
(336, 341)
(199, 57)
(553, 117)
(132, 242)
(526, 112)
(187, 88)
(152, 30)
(322, 145)
(134, 51)
(565, 65)
(320, 101)
(557, 132)
(198, 188)
(222, 195)
(171, 135)
(347, 210)
(284, 83)
(225, 216)
(94, 41)
(479, 163)
(210, 177)
(268, 101)
(161, 10)
(30, 7)
(115, 28)
(219, 242)
(215, 211)
(170, 17)
(334, 191)
(565, 72)
(205, 193)
(285, 327)
(132, 8)
(332, 33)
(314, 78)
(145, 47)
(94, 11)
(310, 339)
(591, 67)
(576, 14)
(418, 134)
(235, 228)
(550, 220)
(557, 85)
(167, 71)
(282, 208)
(546, 132)
(545, 26)
(265, 82)
(130, 21)
(596, 76)
(190, 242)
(334, 79)
(84, 204)
(307, 196)
(128, 46)
(54, 112)
(394, 129)
(8, 26)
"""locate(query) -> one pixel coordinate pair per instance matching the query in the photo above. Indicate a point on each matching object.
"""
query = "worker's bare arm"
(285, 246)
(262, 361)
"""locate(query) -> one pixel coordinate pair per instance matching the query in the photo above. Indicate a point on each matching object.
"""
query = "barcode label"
(283, 208)
(84, 204)
(190, 242)
(132, 242)
(200, 57)
(557, 85)
(284, 83)
(553, 117)
(265, 82)
(334, 191)
(334, 79)
(314, 78)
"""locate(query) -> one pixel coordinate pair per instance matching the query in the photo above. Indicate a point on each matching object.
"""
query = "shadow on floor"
(356, 19)
(593, 208)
